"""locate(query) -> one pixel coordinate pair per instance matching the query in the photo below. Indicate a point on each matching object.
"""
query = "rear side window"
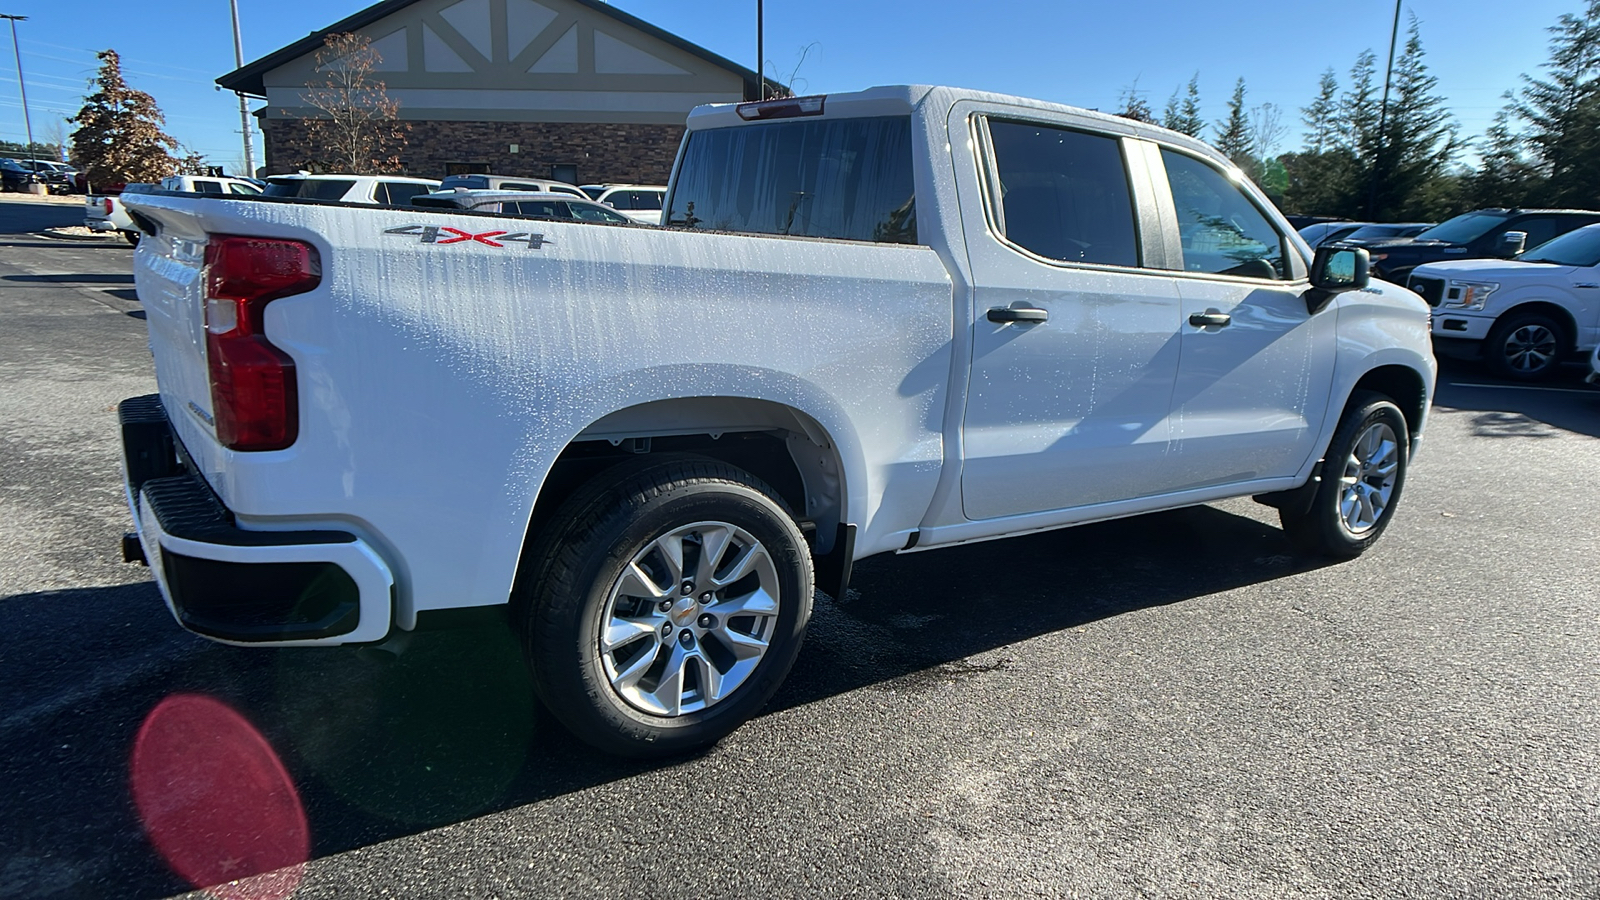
(466, 181)
(1223, 233)
(517, 186)
(596, 213)
(544, 209)
(843, 178)
(208, 187)
(399, 193)
(1064, 194)
(310, 188)
(248, 190)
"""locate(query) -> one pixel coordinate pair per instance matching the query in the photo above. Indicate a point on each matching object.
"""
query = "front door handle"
(1005, 315)
(1211, 318)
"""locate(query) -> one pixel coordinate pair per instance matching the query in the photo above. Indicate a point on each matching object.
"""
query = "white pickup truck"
(1524, 316)
(894, 320)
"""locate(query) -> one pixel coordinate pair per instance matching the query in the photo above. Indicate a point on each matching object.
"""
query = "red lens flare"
(216, 802)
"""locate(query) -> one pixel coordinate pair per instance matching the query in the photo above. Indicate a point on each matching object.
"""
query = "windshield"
(1373, 232)
(1575, 248)
(1463, 229)
(833, 178)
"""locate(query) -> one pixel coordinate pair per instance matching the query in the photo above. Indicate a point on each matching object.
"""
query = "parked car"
(508, 183)
(206, 184)
(645, 447)
(1391, 232)
(639, 202)
(56, 177)
(105, 212)
(1326, 232)
(541, 205)
(15, 176)
(1482, 234)
(1522, 316)
(384, 190)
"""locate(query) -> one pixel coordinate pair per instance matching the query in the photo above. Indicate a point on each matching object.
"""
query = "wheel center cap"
(683, 610)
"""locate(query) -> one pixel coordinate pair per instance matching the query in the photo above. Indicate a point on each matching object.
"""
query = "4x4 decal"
(443, 234)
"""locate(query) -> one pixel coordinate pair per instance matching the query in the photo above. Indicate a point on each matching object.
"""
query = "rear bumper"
(244, 587)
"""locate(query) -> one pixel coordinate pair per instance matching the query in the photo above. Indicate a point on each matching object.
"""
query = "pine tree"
(1506, 176)
(359, 128)
(1563, 112)
(1321, 117)
(1184, 115)
(119, 136)
(1134, 106)
(1233, 133)
(1410, 166)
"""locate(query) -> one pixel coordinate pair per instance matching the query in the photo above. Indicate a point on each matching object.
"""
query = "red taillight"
(253, 393)
(786, 108)
(107, 202)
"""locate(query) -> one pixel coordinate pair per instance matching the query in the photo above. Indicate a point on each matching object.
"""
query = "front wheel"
(666, 606)
(1362, 476)
(1525, 346)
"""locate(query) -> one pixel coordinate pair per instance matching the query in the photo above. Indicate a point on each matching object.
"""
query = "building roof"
(248, 80)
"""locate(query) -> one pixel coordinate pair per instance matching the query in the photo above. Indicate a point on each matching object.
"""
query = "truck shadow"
(380, 746)
(1503, 410)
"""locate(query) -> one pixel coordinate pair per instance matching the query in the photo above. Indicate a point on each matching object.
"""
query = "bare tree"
(1267, 130)
(359, 129)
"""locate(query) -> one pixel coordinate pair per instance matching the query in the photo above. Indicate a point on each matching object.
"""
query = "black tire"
(131, 237)
(595, 537)
(1322, 527)
(1525, 346)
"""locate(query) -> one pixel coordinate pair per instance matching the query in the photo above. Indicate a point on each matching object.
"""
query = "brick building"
(569, 89)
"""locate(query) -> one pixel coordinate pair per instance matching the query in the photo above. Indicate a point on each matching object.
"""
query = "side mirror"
(1337, 268)
(1511, 245)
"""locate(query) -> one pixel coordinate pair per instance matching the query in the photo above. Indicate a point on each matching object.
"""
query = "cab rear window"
(848, 179)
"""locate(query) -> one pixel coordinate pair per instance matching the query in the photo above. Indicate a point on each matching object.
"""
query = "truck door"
(1075, 344)
(1257, 366)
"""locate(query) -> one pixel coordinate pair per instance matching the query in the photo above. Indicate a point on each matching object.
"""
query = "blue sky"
(1082, 53)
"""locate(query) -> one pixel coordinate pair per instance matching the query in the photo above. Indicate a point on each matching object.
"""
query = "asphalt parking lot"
(1168, 706)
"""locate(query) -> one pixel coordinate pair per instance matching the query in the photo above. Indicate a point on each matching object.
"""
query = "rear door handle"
(1005, 315)
(1210, 319)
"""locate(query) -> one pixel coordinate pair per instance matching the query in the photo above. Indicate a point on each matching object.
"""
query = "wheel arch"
(810, 465)
(1556, 311)
(1402, 384)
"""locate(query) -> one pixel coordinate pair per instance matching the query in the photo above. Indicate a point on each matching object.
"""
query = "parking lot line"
(1522, 387)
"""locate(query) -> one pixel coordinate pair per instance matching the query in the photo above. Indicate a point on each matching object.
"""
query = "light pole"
(26, 122)
(761, 78)
(1383, 117)
(244, 109)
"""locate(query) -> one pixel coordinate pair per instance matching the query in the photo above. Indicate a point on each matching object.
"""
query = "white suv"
(639, 202)
(1524, 315)
(384, 190)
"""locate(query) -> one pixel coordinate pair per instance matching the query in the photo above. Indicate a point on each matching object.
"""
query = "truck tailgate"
(167, 276)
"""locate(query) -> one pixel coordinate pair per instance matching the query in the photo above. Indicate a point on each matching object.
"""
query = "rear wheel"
(1362, 476)
(666, 606)
(1525, 346)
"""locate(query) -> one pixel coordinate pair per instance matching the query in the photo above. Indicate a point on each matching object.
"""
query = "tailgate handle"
(1018, 314)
